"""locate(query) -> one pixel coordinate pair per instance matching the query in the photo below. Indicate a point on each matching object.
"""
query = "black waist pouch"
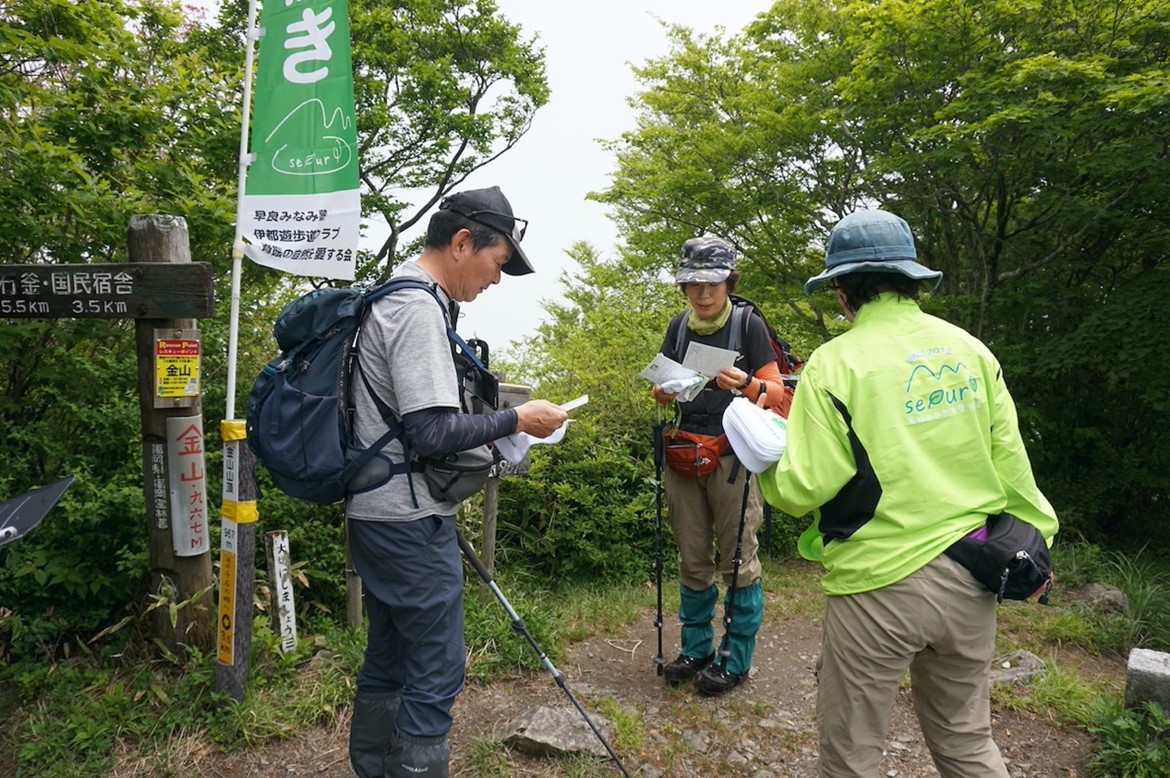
(1012, 562)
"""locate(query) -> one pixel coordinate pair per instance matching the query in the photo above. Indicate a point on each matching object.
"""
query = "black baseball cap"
(490, 208)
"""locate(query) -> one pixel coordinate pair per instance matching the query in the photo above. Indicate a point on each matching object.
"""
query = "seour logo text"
(935, 402)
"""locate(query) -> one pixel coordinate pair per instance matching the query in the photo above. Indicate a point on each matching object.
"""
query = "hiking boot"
(685, 668)
(714, 681)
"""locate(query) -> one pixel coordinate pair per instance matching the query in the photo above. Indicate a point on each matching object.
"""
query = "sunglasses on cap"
(519, 226)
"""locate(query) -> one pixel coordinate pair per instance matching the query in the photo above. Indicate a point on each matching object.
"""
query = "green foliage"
(49, 428)
(442, 88)
(1061, 695)
(109, 109)
(586, 509)
(1135, 743)
(1015, 138)
(494, 647)
(112, 108)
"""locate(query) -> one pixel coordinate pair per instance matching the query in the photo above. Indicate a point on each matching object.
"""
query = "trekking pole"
(729, 606)
(518, 626)
(659, 454)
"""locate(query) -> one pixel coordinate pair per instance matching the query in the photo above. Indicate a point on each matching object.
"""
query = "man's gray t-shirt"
(406, 357)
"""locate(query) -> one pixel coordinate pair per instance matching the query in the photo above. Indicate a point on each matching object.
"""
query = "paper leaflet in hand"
(514, 447)
(708, 360)
(758, 436)
(674, 378)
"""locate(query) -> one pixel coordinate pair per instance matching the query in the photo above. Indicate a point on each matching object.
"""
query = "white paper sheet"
(662, 369)
(574, 404)
(708, 360)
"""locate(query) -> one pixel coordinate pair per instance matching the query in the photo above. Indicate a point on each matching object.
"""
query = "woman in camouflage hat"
(705, 482)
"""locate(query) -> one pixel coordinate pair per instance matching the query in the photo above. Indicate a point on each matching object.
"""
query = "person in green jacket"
(902, 439)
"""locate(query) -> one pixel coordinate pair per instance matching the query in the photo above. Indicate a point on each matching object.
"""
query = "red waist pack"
(691, 455)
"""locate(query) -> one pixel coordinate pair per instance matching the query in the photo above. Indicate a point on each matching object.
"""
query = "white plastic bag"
(758, 436)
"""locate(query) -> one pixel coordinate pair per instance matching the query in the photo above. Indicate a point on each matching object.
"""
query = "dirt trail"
(766, 728)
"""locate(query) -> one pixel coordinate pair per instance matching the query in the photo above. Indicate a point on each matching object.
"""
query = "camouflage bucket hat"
(707, 260)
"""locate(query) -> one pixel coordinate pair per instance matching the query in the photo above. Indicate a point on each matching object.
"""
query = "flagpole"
(238, 509)
(293, 59)
(238, 243)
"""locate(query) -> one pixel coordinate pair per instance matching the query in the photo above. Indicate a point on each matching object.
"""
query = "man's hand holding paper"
(514, 447)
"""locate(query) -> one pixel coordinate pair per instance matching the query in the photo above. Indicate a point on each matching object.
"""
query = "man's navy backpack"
(298, 415)
(742, 309)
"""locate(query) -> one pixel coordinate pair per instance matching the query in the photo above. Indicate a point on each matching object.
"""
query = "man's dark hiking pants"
(412, 581)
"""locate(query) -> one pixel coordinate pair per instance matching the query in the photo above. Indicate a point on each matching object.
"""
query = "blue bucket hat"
(872, 242)
(708, 260)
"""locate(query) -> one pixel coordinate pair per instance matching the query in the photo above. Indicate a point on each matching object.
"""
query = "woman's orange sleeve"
(778, 397)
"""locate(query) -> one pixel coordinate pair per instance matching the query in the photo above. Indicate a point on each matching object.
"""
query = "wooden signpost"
(164, 292)
(511, 395)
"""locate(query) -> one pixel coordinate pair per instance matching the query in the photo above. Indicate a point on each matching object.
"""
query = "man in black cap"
(402, 538)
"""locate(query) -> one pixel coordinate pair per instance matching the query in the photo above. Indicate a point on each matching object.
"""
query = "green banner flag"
(300, 210)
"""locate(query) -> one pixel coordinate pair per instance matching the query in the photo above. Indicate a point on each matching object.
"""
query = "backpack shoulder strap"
(739, 324)
(677, 326)
(393, 285)
(353, 361)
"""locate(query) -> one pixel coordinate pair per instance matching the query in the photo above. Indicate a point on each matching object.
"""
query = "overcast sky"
(588, 49)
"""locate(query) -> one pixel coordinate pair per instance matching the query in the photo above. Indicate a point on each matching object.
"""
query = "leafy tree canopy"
(1024, 142)
(113, 108)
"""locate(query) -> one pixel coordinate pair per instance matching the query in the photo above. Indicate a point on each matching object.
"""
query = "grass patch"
(1135, 743)
(798, 581)
(90, 709)
(627, 725)
(487, 759)
(494, 647)
(589, 610)
(1146, 584)
(1144, 581)
(1031, 626)
(1062, 696)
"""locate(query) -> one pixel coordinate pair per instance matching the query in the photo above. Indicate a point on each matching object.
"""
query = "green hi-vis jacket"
(902, 439)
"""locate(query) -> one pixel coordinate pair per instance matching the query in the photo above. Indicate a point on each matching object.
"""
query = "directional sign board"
(178, 290)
